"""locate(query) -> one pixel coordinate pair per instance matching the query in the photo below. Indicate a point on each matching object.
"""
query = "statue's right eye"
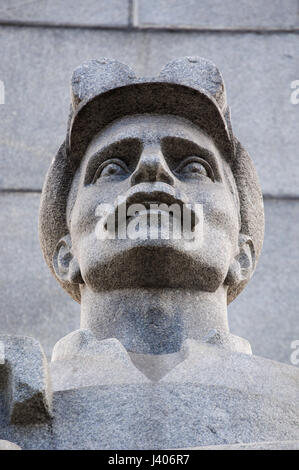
(111, 169)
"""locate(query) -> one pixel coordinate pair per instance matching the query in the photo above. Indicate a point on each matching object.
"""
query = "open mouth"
(155, 212)
(155, 204)
(149, 207)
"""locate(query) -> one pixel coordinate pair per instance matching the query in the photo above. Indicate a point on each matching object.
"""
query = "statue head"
(150, 141)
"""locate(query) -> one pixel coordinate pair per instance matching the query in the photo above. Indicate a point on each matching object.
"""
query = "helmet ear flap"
(251, 208)
(96, 76)
(199, 73)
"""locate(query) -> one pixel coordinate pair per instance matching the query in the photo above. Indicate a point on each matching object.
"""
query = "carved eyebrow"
(126, 149)
(175, 149)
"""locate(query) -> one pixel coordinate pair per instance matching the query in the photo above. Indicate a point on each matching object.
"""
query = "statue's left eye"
(111, 169)
(195, 167)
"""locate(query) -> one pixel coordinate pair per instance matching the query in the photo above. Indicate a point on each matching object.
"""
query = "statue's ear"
(65, 265)
(242, 266)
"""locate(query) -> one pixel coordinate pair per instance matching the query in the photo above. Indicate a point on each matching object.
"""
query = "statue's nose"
(152, 167)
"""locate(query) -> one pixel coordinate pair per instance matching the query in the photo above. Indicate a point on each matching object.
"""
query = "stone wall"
(255, 45)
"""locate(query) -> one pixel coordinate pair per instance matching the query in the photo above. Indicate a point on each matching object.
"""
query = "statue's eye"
(111, 169)
(192, 167)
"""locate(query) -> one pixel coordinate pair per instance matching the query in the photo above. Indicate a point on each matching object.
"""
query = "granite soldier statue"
(152, 218)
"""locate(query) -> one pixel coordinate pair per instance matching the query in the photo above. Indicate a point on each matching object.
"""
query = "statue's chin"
(151, 263)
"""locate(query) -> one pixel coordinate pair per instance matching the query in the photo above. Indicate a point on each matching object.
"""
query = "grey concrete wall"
(255, 44)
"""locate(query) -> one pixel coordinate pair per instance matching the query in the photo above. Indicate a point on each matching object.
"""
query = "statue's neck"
(153, 321)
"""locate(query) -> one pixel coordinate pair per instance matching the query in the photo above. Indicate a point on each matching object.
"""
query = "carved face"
(154, 159)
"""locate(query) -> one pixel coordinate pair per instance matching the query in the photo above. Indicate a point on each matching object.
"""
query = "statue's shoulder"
(210, 395)
(211, 363)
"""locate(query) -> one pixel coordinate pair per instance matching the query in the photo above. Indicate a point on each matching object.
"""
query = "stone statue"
(152, 218)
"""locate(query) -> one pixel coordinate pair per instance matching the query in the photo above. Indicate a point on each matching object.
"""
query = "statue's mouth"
(151, 206)
(150, 199)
